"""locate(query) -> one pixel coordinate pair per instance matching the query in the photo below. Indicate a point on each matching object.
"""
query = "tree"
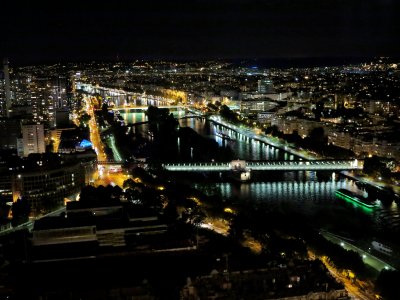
(150, 198)
(237, 227)
(213, 107)
(194, 215)
(142, 175)
(317, 137)
(20, 211)
(373, 166)
(85, 118)
(104, 109)
(387, 284)
(116, 192)
(170, 212)
(228, 114)
(50, 147)
(294, 138)
(273, 130)
(88, 193)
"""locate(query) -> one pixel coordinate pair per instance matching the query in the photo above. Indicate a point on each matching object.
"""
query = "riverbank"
(259, 136)
(376, 263)
(366, 180)
(252, 134)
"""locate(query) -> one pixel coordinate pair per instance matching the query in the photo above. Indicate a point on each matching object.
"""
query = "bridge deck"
(316, 165)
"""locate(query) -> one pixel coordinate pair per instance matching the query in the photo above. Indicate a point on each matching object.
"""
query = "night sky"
(35, 32)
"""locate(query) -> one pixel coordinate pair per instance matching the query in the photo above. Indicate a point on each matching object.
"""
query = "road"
(354, 291)
(372, 182)
(218, 225)
(103, 176)
(94, 132)
(221, 226)
(367, 257)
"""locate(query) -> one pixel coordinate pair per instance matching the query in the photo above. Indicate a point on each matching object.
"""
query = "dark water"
(308, 192)
(240, 144)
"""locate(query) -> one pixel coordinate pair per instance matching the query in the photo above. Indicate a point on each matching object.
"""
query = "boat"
(350, 196)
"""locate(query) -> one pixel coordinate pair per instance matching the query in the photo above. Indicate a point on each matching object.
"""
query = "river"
(308, 192)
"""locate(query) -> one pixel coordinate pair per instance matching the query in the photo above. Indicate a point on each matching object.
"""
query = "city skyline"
(142, 161)
(37, 33)
(230, 149)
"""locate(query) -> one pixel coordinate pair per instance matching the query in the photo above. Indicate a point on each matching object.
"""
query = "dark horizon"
(282, 62)
(198, 29)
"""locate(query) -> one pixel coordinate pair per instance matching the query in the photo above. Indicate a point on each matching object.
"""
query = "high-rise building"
(62, 117)
(33, 138)
(265, 86)
(10, 130)
(43, 95)
(7, 88)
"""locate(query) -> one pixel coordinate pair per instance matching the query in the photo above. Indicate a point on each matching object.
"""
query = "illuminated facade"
(33, 139)
(46, 189)
(7, 89)
(265, 86)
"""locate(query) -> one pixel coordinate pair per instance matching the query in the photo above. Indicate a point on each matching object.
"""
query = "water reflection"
(302, 191)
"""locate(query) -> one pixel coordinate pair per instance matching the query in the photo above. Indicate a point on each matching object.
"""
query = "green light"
(353, 200)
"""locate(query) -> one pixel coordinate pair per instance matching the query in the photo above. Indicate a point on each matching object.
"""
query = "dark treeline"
(164, 141)
(292, 234)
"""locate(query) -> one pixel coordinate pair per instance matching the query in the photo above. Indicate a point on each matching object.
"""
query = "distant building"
(62, 117)
(380, 107)
(265, 86)
(343, 139)
(265, 117)
(300, 282)
(46, 184)
(33, 138)
(230, 94)
(72, 140)
(94, 227)
(7, 88)
(10, 129)
(371, 145)
(43, 95)
(5, 187)
(271, 96)
(289, 124)
(21, 111)
(20, 147)
(250, 106)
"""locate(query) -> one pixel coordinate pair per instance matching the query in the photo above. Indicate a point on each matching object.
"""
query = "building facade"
(33, 139)
(46, 189)
(265, 86)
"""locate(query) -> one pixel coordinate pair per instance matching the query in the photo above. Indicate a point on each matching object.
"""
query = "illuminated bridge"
(286, 165)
